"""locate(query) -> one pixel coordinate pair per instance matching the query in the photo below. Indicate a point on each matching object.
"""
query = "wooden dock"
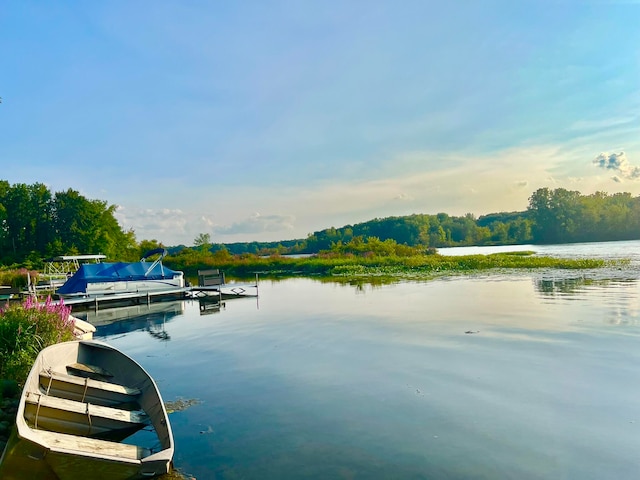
(211, 285)
(128, 298)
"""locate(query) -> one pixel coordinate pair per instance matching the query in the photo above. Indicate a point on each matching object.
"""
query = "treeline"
(419, 230)
(552, 216)
(564, 216)
(36, 223)
(441, 230)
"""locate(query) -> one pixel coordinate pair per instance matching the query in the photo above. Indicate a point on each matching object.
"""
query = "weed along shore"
(9, 398)
(370, 264)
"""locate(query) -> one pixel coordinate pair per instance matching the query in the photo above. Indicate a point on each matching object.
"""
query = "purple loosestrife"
(28, 328)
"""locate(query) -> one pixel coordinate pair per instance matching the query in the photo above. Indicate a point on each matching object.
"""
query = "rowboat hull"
(77, 416)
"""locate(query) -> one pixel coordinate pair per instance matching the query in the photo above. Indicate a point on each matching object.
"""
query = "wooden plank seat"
(78, 418)
(62, 442)
(85, 389)
(90, 371)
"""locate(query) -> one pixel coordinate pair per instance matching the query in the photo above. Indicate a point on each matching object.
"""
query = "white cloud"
(619, 163)
(256, 224)
(169, 226)
(460, 184)
(457, 184)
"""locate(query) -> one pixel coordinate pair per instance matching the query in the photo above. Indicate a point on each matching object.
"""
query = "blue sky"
(268, 120)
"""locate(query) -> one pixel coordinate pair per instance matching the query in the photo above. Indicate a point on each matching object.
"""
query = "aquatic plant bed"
(419, 266)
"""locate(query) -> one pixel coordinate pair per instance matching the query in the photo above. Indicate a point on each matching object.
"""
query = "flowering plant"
(27, 328)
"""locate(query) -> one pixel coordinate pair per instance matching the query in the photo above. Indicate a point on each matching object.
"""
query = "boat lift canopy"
(65, 264)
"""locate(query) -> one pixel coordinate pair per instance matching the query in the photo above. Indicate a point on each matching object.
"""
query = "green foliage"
(553, 216)
(563, 216)
(25, 330)
(432, 231)
(17, 278)
(35, 223)
(350, 265)
(373, 246)
(203, 240)
(148, 245)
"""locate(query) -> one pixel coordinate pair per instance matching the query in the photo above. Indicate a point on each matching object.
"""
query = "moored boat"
(101, 279)
(88, 410)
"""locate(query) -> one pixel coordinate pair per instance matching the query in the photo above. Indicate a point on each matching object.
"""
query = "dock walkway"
(211, 283)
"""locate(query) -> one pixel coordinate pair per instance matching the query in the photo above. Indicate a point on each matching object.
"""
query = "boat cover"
(113, 272)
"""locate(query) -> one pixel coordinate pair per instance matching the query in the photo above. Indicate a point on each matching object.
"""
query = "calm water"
(321, 381)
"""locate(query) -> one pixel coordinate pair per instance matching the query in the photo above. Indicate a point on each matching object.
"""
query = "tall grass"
(17, 278)
(27, 328)
(414, 266)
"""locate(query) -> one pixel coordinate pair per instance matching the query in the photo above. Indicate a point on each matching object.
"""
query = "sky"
(269, 120)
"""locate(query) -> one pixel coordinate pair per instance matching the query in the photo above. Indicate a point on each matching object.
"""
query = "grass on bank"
(351, 265)
(27, 328)
(17, 277)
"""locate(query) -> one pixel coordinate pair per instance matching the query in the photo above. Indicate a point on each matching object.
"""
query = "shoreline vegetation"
(352, 267)
(25, 329)
(39, 223)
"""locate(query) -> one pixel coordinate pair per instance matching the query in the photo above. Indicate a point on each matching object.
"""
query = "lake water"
(532, 375)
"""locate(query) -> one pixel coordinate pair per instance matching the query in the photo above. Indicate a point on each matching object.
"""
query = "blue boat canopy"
(114, 272)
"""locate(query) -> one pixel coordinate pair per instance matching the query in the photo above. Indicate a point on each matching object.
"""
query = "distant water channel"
(534, 375)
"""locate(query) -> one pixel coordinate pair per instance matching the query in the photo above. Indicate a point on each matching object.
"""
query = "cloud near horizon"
(619, 163)
(257, 223)
(477, 184)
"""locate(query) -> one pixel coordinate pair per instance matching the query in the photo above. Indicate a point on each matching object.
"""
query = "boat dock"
(211, 285)
(126, 298)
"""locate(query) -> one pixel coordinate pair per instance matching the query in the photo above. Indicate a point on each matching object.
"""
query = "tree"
(202, 240)
(34, 223)
(148, 245)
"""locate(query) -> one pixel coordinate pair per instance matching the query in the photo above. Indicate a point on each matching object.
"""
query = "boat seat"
(85, 389)
(78, 418)
(89, 371)
(64, 443)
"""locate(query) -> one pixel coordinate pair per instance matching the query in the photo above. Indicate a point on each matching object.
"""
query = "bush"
(28, 328)
(17, 278)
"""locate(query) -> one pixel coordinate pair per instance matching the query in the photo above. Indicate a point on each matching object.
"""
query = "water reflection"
(617, 299)
(577, 285)
(209, 306)
(151, 318)
(323, 381)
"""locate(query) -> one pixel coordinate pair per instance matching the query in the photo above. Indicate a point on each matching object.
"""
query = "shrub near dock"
(27, 328)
